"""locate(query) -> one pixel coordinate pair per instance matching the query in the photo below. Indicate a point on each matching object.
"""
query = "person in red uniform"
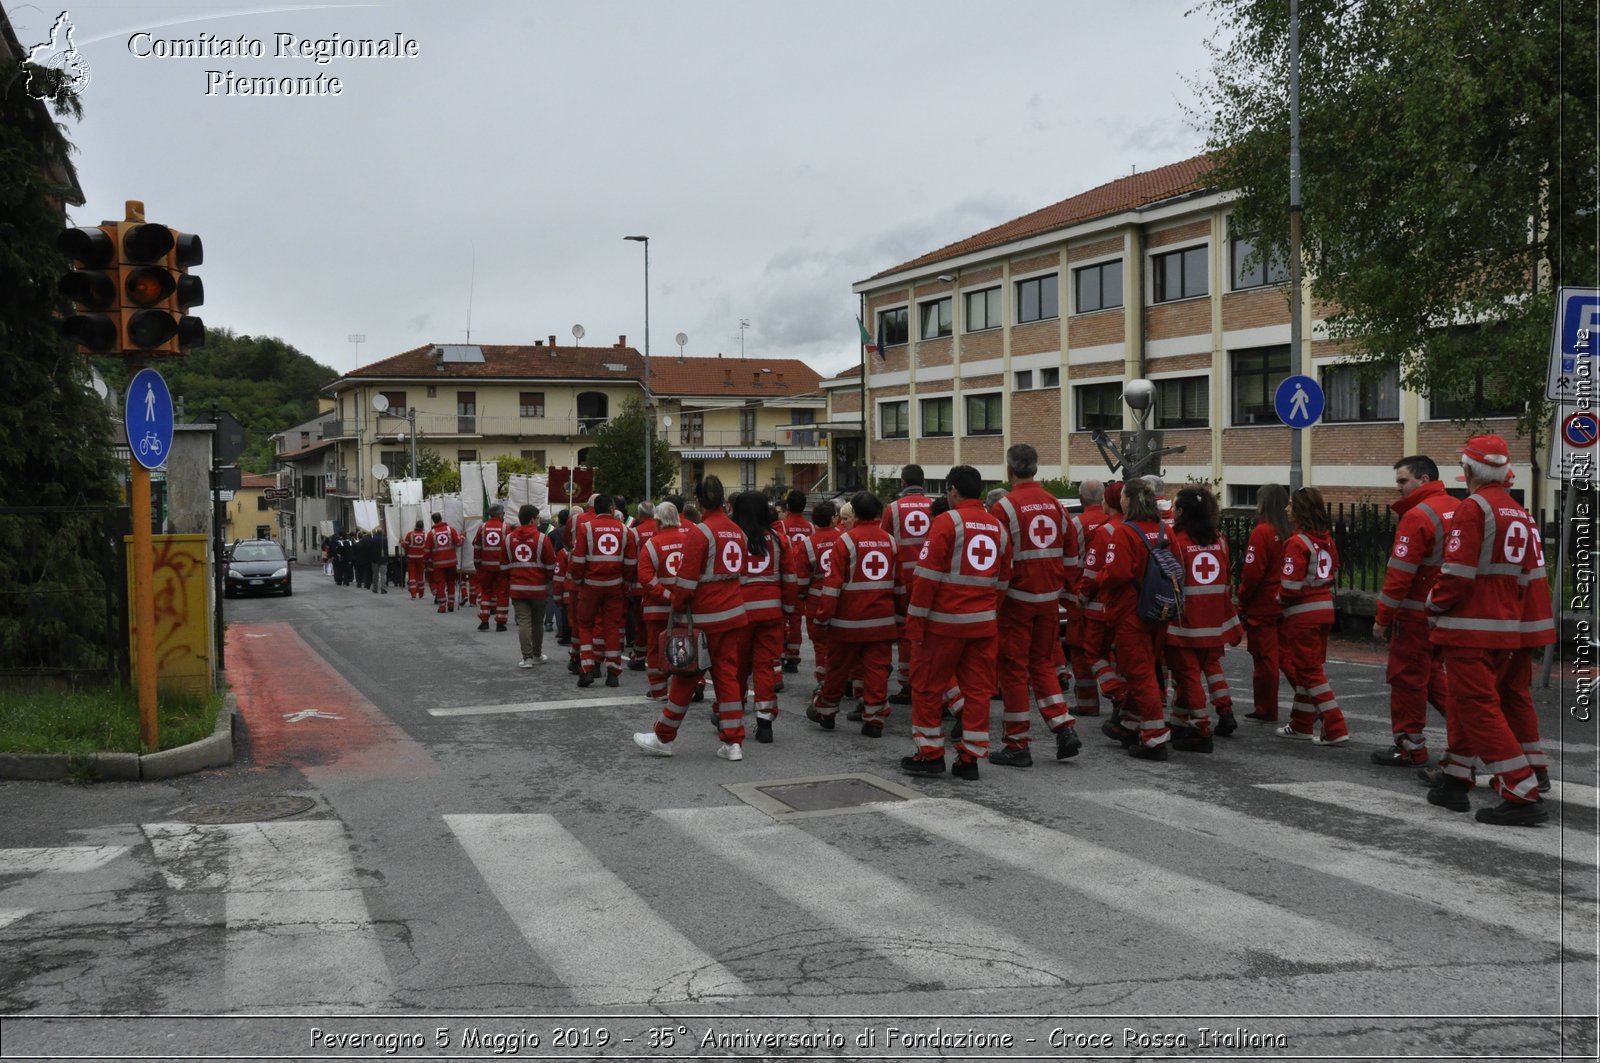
(1037, 533)
(1196, 641)
(658, 577)
(1258, 598)
(1536, 631)
(708, 588)
(1305, 590)
(488, 550)
(1098, 644)
(444, 542)
(644, 528)
(1477, 610)
(858, 608)
(563, 591)
(581, 515)
(810, 566)
(796, 530)
(1415, 669)
(603, 565)
(906, 519)
(415, 542)
(1085, 693)
(1113, 572)
(952, 623)
(768, 602)
(527, 560)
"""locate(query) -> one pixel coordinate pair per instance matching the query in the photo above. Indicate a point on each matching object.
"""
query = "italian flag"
(866, 338)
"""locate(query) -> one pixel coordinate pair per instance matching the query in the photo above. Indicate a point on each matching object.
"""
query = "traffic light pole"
(144, 606)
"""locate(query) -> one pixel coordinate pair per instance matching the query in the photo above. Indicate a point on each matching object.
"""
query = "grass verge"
(100, 721)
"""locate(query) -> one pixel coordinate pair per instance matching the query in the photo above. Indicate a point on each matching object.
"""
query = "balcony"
(494, 426)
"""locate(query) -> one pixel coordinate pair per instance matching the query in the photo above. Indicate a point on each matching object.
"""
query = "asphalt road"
(426, 849)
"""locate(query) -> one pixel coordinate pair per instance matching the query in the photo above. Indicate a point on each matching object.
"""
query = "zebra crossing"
(922, 896)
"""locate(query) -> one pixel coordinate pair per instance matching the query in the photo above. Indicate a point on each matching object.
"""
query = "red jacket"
(857, 600)
(1416, 554)
(1538, 626)
(528, 561)
(444, 541)
(1036, 527)
(795, 528)
(708, 578)
(603, 557)
(416, 543)
(1478, 599)
(1262, 573)
(907, 520)
(489, 545)
(1305, 586)
(1208, 620)
(659, 563)
(766, 583)
(642, 532)
(811, 565)
(561, 578)
(962, 575)
(1113, 569)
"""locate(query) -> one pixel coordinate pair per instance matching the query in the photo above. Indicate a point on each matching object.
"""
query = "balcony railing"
(490, 425)
(735, 438)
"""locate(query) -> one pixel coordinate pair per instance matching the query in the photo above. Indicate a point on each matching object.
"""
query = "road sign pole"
(144, 607)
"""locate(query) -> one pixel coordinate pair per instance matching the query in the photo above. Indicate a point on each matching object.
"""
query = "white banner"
(393, 528)
(365, 511)
(406, 492)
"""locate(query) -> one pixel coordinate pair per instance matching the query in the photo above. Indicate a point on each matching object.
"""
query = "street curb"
(212, 752)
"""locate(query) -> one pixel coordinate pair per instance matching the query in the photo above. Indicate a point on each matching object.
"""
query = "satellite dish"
(400, 436)
(380, 403)
(666, 422)
(680, 339)
(380, 471)
(98, 382)
(577, 332)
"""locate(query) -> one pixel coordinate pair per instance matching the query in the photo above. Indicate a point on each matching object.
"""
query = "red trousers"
(1416, 680)
(819, 649)
(416, 571)
(600, 619)
(903, 656)
(493, 588)
(791, 636)
(760, 651)
(1085, 693)
(1304, 650)
(655, 672)
(444, 586)
(641, 637)
(1516, 701)
(938, 663)
(1139, 647)
(1188, 666)
(1261, 639)
(1029, 645)
(1477, 728)
(724, 647)
(871, 661)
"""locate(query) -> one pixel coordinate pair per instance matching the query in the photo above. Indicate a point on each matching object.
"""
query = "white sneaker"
(526, 662)
(647, 741)
(729, 751)
(1341, 740)
(538, 658)
(1288, 731)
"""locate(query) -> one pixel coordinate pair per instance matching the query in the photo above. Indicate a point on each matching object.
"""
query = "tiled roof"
(1125, 193)
(286, 456)
(787, 377)
(508, 362)
(255, 481)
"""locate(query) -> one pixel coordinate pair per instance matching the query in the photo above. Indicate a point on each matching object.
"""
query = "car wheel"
(288, 592)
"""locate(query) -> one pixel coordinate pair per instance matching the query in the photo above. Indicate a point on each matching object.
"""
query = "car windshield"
(257, 552)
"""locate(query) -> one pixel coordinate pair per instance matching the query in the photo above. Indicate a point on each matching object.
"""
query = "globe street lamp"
(649, 399)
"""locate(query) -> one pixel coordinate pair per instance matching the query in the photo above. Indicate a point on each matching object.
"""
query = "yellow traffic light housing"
(93, 286)
(149, 311)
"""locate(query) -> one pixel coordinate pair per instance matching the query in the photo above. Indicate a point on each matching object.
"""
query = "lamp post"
(649, 399)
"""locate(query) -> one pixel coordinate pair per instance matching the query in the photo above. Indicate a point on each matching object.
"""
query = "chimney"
(538, 343)
(622, 341)
(727, 377)
(552, 340)
(780, 378)
(756, 378)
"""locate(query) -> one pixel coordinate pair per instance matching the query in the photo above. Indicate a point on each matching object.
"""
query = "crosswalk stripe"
(1437, 725)
(1482, 898)
(1413, 809)
(1571, 793)
(11, 915)
(1149, 892)
(637, 700)
(293, 907)
(69, 859)
(918, 933)
(606, 943)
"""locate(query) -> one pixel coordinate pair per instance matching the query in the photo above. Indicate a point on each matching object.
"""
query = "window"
(530, 404)
(936, 319)
(894, 419)
(983, 414)
(1244, 494)
(747, 475)
(397, 403)
(1180, 274)
(938, 417)
(1098, 287)
(433, 392)
(467, 412)
(803, 439)
(1257, 372)
(1050, 378)
(983, 310)
(747, 426)
(313, 486)
(1357, 396)
(1037, 299)
(395, 460)
(1099, 406)
(262, 505)
(263, 531)
(1183, 403)
(466, 455)
(535, 456)
(692, 429)
(1247, 274)
(1482, 398)
(892, 327)
(1024, 379)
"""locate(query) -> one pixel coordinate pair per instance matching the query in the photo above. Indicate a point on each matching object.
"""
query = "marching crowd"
(957, 602)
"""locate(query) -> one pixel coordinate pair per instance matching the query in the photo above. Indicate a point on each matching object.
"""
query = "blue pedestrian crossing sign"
(1575, 336)
(1299, 401)
(147, 414)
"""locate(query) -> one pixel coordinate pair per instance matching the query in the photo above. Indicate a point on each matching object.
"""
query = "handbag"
(683, 647)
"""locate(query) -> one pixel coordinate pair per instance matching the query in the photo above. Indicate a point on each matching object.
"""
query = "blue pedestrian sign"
(1573, 342)
(148, 417)
(1299, 401)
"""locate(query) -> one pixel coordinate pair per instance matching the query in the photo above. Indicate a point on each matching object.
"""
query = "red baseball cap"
(1114, 495)
(1488, 450)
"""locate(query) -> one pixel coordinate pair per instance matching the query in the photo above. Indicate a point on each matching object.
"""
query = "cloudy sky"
(774, 152)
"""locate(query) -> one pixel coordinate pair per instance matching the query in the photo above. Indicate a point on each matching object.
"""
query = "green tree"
(438, 476)
(618, 456)
(1448, 175)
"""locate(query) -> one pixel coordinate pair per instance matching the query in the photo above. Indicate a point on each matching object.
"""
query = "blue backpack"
(1161, 592)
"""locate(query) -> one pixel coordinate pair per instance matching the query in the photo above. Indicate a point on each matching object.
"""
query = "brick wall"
(1034, 262)
(934, 454)
(1096, 330)
(1441, 441)
(845, 400)
(1036, 337)
(1186, 317)
(1181, 362)
(1256, 446)
(1092, 371)
(1036, 419)
(1179, 234)
(977, 278)
(1098, 249)
(978, 346)
(1256, 308)
(934, 352)
(1198, 440)
(1377, 444)
(978, 383)
(982, 450)
(1082, 451)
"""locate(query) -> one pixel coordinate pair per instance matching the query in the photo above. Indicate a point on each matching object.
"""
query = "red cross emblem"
(917, 522)
(732, 556)
(758, 565)
(1042, 530)
(799, 535)
(608, 544)
(1324, 564)
(1205, 569)
(523, 551)
(492, 538)
(827, 562)
(874, 565)
(674, 559)
(1516, 543)
(981, 553)
(442, 538)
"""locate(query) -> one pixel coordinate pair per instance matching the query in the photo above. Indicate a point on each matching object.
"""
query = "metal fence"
(63, 594)
(1362, 534)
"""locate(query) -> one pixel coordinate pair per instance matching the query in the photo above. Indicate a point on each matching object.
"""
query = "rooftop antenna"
(357, 338)
(744, 323)
(471, 285)
(680, 339)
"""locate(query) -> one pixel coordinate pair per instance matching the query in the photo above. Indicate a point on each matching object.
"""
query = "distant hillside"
(267, 384)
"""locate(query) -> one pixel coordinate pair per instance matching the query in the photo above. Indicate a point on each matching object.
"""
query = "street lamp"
(649, 399)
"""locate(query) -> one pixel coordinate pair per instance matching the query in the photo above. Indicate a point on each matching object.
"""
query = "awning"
(700, 455)
(750, 454)
(806, 456)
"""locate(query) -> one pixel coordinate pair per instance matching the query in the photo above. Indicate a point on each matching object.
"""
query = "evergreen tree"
(618, 456)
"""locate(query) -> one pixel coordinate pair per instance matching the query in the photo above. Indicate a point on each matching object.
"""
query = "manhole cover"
(252, 811)
(821, 795)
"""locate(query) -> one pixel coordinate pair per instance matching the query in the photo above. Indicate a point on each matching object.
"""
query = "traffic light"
(188, 251)
(149, 318)
(94, 286)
